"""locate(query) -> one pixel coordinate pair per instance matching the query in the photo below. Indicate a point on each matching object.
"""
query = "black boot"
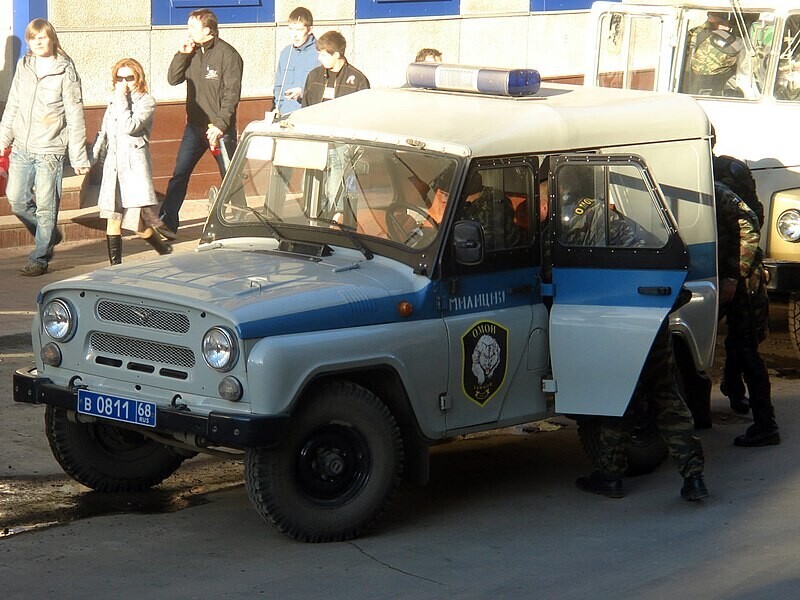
(158, 244)
(114, 249)
(596, 483)
(694, 488)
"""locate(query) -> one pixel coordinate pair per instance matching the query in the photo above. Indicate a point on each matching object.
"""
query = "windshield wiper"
(264, 221)
(350, 233)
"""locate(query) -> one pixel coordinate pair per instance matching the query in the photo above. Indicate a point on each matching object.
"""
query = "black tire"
(794, 321)
(336, 471)
(107, 458)
(645, 452)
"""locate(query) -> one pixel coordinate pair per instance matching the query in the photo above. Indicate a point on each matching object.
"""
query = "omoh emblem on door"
(484, 359)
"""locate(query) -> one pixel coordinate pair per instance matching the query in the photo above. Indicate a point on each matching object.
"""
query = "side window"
(607, 206)
(724, 53)
(787, 81)
(501, 200)
(629, 51)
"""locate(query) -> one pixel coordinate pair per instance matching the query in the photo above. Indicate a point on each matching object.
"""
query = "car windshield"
(282, 185)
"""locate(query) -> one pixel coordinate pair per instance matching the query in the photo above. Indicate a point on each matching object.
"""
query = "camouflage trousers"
(656, 394)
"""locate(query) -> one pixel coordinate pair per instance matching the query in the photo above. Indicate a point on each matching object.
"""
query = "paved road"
(500, 519)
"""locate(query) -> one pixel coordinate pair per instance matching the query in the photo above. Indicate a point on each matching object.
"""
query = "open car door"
(618, 265)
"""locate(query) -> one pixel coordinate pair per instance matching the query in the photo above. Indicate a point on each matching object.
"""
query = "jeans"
(39, 211)
(193, 145)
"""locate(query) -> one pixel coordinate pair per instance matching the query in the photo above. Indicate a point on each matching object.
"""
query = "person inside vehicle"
(712, 53)
(493, 210)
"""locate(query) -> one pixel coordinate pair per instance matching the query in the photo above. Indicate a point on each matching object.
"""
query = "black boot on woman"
(114, 249)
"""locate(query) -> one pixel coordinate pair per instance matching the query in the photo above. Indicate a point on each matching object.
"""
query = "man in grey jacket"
(42, 119)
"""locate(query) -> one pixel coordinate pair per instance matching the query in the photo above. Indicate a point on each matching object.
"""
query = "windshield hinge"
(445, 402)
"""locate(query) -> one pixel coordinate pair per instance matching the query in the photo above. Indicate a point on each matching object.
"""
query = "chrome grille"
(142, 349)
(142, 316)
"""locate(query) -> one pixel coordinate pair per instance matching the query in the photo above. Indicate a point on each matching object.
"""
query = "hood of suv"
(263, 292)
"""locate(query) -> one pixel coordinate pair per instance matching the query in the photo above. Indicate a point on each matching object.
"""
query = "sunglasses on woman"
(125, 78)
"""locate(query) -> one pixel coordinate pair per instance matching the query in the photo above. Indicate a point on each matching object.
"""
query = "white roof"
(722, 5)
(560, 118)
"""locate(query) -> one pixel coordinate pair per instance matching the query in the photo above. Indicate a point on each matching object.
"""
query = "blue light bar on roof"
(482, 80)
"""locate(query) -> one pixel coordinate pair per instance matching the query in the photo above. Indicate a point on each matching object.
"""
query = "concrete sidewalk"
(18, 293)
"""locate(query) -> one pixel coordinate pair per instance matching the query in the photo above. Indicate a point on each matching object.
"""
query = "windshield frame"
(219, 227)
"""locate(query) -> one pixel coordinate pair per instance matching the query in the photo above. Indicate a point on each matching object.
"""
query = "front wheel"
(107, 458)
(336, 471)
(794, 321)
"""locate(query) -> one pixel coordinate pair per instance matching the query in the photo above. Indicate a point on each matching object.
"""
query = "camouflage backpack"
(737, 176)
(716, 53)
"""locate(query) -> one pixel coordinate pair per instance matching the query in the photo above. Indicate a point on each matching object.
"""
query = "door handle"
(663, 290)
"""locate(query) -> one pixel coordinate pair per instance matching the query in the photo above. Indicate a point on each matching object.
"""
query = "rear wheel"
(107, 458)
(336, 471)
(645, 452)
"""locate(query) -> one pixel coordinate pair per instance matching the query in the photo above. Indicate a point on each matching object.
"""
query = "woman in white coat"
(127, 199)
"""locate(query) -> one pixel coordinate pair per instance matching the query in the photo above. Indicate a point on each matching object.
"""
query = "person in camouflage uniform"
(744, 304)
(657, 389)
(712, 52)
(493, 211)
(736, 175)
(656, 392)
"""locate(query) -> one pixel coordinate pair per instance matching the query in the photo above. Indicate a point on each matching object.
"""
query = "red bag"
(4, 163)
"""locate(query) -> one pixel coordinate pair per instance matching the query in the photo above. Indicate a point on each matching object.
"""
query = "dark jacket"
(347, 80)
(213, 76)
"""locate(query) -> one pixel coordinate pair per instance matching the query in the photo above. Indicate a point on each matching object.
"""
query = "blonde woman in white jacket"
(127, 199)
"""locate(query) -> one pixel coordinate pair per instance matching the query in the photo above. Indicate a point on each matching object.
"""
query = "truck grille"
(142, 316)
(104, 343)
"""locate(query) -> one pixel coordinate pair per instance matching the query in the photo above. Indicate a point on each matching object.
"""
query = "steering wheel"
(404, 228)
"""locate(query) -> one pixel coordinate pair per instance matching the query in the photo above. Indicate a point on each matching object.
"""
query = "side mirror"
(468, 243)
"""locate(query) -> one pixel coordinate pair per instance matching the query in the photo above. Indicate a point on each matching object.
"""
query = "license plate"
(137, 412)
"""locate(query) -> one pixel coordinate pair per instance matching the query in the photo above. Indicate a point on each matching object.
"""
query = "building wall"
(487, 32)
(7, 55)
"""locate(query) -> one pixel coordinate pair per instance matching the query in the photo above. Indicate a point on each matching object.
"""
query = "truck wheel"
(335, 472)
(794, 320)
(645, 452)
(107, 458)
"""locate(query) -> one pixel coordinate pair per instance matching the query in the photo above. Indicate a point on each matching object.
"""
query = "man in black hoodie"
(334, 77)
(212, 70)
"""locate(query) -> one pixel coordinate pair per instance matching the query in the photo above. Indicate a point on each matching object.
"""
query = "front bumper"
(216, 428)
(784, 276)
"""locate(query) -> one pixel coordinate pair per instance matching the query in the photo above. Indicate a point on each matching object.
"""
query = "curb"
(16, 340)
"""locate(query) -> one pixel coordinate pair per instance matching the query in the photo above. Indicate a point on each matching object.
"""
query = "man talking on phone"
(212, 70)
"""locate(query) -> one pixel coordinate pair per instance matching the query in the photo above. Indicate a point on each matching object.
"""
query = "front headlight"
(58, 320)
(789, 225)
(219, 349)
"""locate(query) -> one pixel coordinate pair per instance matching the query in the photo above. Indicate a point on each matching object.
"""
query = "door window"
(787, 80)
(607, 206)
